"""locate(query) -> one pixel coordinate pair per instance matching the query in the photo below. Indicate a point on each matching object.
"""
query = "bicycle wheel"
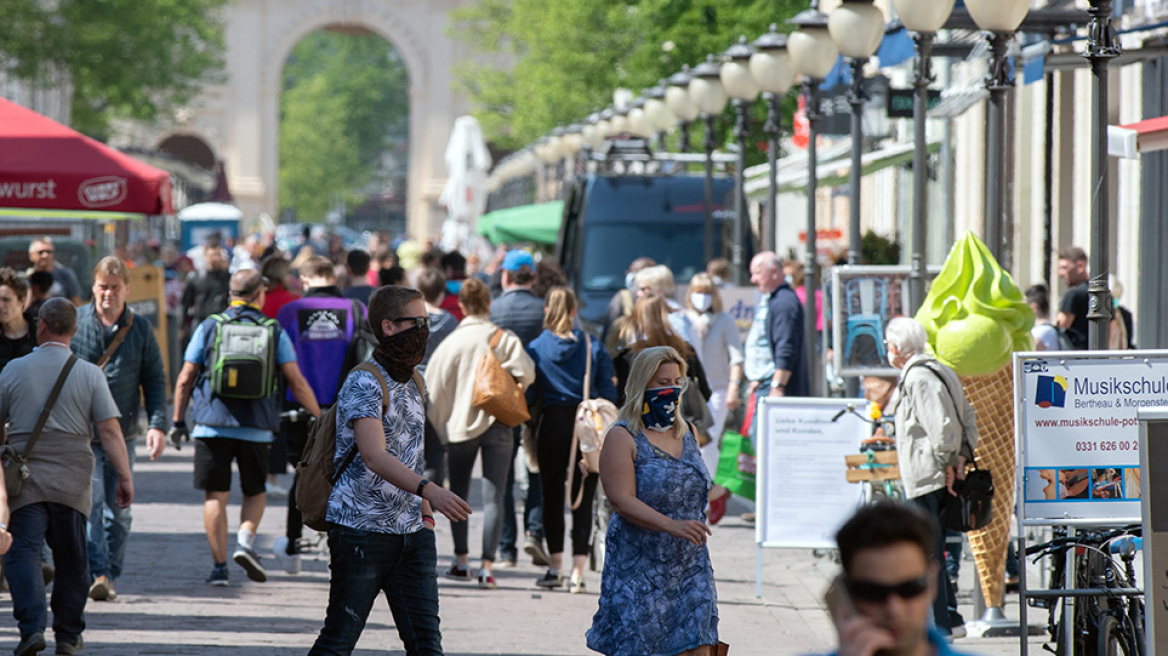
(1114, 640)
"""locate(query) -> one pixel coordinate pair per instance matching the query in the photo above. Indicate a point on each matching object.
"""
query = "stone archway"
(241, 116)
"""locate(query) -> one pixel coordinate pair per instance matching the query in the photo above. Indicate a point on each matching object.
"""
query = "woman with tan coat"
(465, 429)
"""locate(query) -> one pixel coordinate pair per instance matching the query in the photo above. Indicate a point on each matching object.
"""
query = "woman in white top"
(719, 346)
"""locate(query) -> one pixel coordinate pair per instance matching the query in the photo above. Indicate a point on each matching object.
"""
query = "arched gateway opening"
(344, 131)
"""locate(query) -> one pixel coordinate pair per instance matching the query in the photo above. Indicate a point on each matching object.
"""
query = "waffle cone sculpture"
(992, 397)
(976, 317)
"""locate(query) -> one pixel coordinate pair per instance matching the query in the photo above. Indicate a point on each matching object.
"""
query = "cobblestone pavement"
(164, 607)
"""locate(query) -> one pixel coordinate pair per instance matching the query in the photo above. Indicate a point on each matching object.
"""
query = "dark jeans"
(364, 564)
(297, 435)
(109, 525)
(532, 506)
(946, 597)
(553, 446)
(64, 529)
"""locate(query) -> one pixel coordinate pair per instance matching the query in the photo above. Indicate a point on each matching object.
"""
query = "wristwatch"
(421, 485)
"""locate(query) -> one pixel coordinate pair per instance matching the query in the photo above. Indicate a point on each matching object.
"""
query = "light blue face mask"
(631, 282)
(790, 280)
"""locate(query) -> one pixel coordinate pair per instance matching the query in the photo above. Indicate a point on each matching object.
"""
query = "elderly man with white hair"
(936, 432)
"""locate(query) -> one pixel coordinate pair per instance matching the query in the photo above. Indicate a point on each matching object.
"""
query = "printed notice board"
(1077, 433)
(803, 495)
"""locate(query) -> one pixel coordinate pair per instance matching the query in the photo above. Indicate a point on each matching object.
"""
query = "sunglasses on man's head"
(877, 593)
(419, 322)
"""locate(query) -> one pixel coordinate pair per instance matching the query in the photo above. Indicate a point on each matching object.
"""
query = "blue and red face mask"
(659, 411)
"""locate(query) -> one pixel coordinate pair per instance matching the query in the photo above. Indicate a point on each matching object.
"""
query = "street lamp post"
(813, 54)
(1102, 46)
(771, 67)
(658, 113)
(923, 18)
(857, 27)
(678, 100)
(706, 90)
(742, 88)
(999, 18)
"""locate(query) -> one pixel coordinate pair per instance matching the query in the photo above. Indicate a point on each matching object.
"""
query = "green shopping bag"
(736, 465)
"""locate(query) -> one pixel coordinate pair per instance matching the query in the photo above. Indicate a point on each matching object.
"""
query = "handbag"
(15, 461)
(495, 390)
(593, 417)
(737, 465)
(972, 508)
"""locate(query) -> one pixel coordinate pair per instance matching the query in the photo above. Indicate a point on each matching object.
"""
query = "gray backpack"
(243, 357)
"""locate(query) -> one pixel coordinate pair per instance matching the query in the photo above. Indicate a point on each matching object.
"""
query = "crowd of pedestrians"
(390, 342)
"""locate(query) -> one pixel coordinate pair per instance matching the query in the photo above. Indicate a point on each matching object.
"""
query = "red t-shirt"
(277, 297)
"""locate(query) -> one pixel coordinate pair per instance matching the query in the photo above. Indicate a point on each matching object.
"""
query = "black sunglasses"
(419, 322)
(877, 593)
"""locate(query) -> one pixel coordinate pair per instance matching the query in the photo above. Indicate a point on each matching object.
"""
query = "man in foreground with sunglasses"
(881, 602)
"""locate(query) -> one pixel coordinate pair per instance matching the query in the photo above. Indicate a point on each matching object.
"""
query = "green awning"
(539, 223)
(69, 215)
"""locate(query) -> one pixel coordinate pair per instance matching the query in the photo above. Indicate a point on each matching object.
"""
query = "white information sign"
(1078, 439)
(803, 495)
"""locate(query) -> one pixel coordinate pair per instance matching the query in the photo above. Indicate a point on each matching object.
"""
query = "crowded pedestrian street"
(164, 608)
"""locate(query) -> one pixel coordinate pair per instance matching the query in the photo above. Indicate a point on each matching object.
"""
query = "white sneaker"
(288, 562)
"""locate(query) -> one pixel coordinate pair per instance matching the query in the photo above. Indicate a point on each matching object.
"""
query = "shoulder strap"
(348, 459)
(965, 448)
(420, 382)
(48, 409)
(587, 366)
(118, 339)
(496, 337)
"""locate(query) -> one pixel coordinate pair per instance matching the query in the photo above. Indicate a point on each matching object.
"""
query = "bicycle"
(1108, 617)
(875, 468)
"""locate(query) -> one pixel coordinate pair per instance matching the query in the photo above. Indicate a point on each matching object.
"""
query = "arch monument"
(239, 117)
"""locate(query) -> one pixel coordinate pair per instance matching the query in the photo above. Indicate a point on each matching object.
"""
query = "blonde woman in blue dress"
(657, 595)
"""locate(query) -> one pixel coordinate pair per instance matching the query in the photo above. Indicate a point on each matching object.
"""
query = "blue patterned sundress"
(657, 595)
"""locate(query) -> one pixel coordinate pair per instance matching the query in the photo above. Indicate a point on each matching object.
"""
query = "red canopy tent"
(1134, 138)
(45, 165)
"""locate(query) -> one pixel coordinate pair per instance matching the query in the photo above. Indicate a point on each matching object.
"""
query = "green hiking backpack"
(243, 357)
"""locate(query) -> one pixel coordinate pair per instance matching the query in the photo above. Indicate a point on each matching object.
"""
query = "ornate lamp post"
(771, 67)
(923, 18)
(639, 125)
(1102, 46)
(999, 18)
(705, 88)
(678, 100)
(857, 27)
(742, 88)
(813, 54)
(658, 113)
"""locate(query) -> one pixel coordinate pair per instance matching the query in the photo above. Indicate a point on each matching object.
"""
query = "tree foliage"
(345, 103)
(568, 57)
(125, 58)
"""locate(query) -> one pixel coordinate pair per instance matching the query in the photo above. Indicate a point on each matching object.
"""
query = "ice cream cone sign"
(976, 318)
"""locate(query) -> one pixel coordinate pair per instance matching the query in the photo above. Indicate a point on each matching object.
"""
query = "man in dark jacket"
(776, 363)
(206, 294)
(123, 345)
(520, 311)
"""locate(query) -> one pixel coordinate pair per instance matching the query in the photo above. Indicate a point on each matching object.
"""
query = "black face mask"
(400, 353)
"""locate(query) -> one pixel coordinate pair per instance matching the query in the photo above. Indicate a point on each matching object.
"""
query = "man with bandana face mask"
(382, 531)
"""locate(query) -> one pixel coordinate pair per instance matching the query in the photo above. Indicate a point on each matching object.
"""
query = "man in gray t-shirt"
(55, 501)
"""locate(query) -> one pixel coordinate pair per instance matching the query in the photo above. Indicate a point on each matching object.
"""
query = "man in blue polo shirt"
(228, 429)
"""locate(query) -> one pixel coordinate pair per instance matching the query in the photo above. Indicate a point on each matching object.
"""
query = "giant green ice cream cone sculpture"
(976, 318)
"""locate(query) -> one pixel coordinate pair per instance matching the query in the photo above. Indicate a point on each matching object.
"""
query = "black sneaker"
(457, 573)
(218, 576)
(550, 580)
(533, 547)
(33, 644)
(65, 648)
(250, 562)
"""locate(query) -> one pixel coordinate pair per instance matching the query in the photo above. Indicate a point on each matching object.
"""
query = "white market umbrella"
(465, 193)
